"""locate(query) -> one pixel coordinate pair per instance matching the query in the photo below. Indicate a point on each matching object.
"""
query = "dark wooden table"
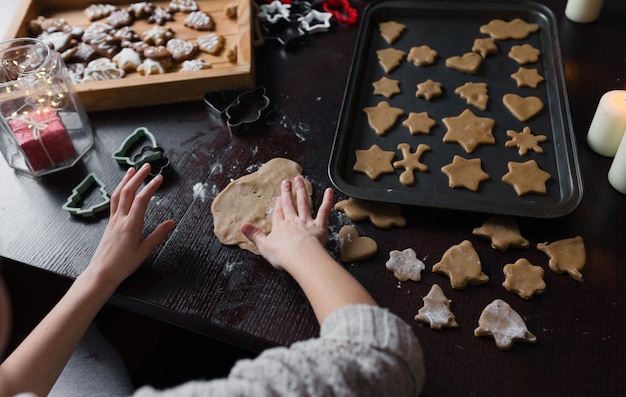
(193, 281)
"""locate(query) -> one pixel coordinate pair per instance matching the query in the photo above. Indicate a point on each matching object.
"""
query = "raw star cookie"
(475, 94)
(353, 247)
(382, 116)
(405, 265)
(523, 108)
(428, 90)
(436, 310)
(411, 162)
(527, 77)
(467, 63)
(566, 256)
(524, 54)
(390, 58)
(462, 265)
(469, 130)
(391, 30)
(382, 215)
(374, 161)
(386, 87)
(419, 123)
(514, 29)
(502, 231)
(464, 173)
(422, 55)
(485, 46)
(525, 141)
(526, 177)
(251, 198)
(504, 324)
(523, 278)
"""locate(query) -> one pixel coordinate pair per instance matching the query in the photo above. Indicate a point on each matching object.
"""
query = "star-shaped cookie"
(523, 278)
(461, 264)
(469, 130)
(411, 162)
(382, 215)
(428, 90)
(422, 55)
(527, 77)
(503, 232)
(382, 117)
(526, 177)
(374, 161)
(464, 173)
(386, 87)
(525, 141)
(436, 310)
(419, 123)
(405, 265)
(566, 256)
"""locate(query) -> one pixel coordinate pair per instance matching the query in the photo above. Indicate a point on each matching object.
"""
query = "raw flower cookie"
(462, 265)
(411, 162)
(428, 90)
(354, 247)
(525, 141)
(566, 256)
(504, 324)
(524, 54)
(405, 265)
(374, 162)
(391, 30)
(503, 232)
(419, 123)
(469, 130)
(436, 310)
(382, 215)
(526, 177)
(523, 278)
(464, 173)
(422, 55)
(382, 117)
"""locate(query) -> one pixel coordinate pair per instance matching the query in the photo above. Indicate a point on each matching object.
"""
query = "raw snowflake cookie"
(462, 265)
(354, 247)
(504, 324)
(405, 265)
(525, 141)
(436, 310)
(411, 162)
(566, 256)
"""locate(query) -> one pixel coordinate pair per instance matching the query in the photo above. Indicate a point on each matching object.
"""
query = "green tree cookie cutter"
(72, 203)
(122, 155)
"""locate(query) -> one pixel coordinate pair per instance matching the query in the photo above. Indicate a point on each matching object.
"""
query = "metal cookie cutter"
(72, 205)
(218, 101)
(247, 112)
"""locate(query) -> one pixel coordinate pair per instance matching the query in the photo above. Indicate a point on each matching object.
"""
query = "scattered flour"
(199, 191)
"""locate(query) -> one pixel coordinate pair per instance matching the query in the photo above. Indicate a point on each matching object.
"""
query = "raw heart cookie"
(436, 310)
(503, 232)
(524, 54)
(374, 161)
(522, 108)
(428, 90)
(390, 58)
(405, 265)
(566, 256)
(386, 87)
(469, 131)
(391, 30)
(523, 278)
(526, 177)
(411, 162)
(465, 173)
(382, 117)
(525, 141)
(419, 123)
(468, 63)
(504, 324)
(485, 46)
(462, 265)
(475, 94)
(353, 247)
(422, 55)
(514, 29)
(527, 77)
(382, 215)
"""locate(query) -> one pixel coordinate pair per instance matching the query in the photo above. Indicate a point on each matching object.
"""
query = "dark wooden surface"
(194, 282)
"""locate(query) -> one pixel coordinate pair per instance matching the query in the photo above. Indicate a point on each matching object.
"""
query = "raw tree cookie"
(464, 173)
(468, 63)
(411, 162)
(566, 256)
(391, 31)
(405, 265)
(485, 46)
(527, 77)
(526, 177)
(390, 58)
(504, 324)
(525, 141)
(353, 247)
(524, 54)
(503, 232)
(462, 265)
(436, 310)
(382, 117)
(475, 94)
(419, 123)
(422, 55)
(523, 108)
(428, 90)
(251, 198)
(386, 87)
(523, 278)
(382, 215)
(515, 29)
(374, 161)
(469, 131)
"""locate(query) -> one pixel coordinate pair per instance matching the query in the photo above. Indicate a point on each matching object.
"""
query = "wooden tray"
(137, 90)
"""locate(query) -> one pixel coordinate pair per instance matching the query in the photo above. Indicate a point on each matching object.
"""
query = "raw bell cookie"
(504, 325)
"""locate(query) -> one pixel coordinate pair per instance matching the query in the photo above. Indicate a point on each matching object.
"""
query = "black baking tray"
(450, 28)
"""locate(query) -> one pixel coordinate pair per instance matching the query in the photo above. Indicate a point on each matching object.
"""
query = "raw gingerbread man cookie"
(411, 162)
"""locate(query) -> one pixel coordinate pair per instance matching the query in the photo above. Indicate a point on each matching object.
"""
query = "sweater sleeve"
(362, 351)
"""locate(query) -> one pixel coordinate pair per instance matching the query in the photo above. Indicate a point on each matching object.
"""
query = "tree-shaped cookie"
(405, 265)
(475, 94)
(523, 278)
(411, 162)
(436, 310)
(374, 161)
(461, 264)
(504, 324)
(391, 30)
(382, 215)
(390, 58)
(566, 256)
(503, 232)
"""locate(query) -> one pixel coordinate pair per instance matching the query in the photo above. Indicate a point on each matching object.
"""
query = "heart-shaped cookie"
(354, 247)
(522, 108)
(468, 63)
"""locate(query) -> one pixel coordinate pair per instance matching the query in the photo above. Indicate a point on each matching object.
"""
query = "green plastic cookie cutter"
(122, 155)
(73, 202)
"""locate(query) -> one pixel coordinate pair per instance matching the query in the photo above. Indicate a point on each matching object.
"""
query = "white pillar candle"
(583, 11)
(617, 172)
(608, 124)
